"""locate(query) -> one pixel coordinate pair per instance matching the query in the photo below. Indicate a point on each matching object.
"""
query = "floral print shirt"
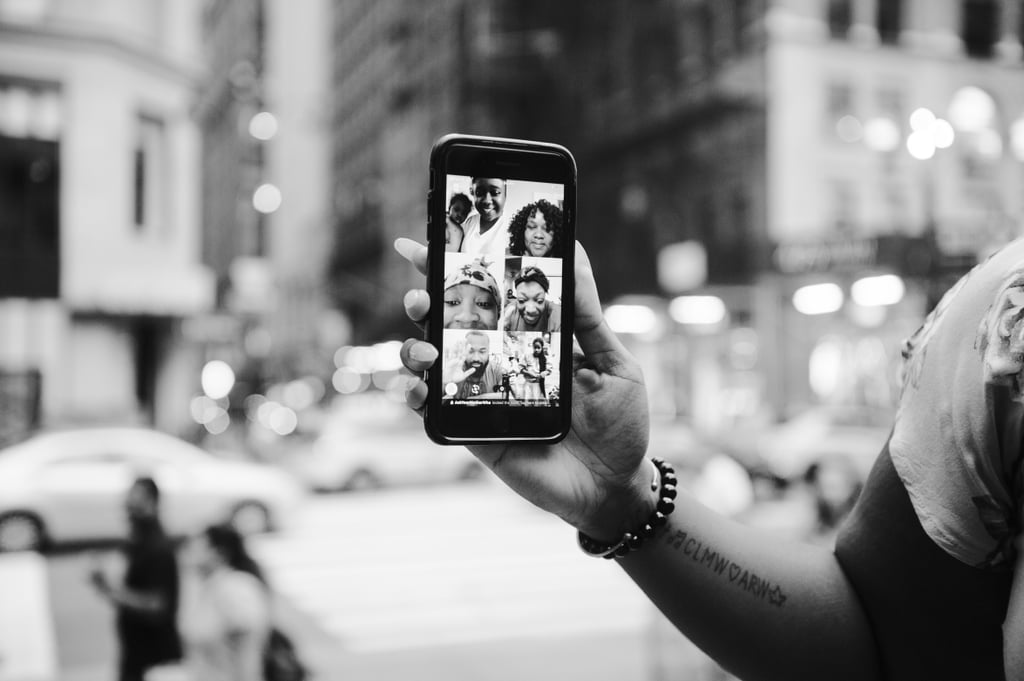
(957, 440)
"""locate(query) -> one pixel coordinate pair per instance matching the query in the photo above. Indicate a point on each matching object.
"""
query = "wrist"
(633, 538)
(624, 507)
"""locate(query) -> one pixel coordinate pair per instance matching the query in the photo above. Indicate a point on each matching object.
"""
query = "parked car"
(70, 486)
(787, 451)
(370, 443)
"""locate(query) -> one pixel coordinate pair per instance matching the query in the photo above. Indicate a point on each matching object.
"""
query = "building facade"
(263, 114)
(799, 143)
(100, 244)
(764, 146)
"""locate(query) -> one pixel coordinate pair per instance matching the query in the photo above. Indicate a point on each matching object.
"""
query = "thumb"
(599, 343)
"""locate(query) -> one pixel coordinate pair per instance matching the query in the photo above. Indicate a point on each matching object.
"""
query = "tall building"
(263, 111)
(394, 78)
(405, 73)
(99, 265)
(799, 144)
(739, 151)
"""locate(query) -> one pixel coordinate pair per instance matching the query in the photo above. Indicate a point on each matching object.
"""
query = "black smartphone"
(501, 242)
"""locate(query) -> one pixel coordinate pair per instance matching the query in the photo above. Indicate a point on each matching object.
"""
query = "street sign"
(28, 649)
(826, 255)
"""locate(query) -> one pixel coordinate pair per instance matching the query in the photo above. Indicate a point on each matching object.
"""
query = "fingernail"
(406, 247)
(423, 352)
(412, 298)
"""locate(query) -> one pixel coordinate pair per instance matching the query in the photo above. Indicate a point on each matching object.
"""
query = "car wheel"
(360, 480)
(21, 532)
(251, 517)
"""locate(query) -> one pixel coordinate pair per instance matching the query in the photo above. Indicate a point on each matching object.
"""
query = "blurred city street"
(464, 582)
(202, 311)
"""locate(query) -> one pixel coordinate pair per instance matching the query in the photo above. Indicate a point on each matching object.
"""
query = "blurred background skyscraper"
(772, 192)
(100, 222)
(198, 200)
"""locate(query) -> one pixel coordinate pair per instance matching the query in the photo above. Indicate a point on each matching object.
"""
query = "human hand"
(454, 371)
(98, 579)
(595, 479)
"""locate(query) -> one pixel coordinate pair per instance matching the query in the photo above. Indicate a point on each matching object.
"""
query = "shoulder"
(241, 597)
(234, 586)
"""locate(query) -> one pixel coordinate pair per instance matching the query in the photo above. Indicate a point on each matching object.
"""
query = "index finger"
(413, 251)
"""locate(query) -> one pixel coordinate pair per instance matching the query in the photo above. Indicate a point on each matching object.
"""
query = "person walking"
(147, 599)
(226, 615)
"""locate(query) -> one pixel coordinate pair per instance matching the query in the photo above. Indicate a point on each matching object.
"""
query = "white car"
(372, 443)
(855, 433)
(70, 486)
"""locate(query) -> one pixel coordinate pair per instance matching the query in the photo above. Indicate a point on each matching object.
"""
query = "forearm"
(764, 607)
(150, 603)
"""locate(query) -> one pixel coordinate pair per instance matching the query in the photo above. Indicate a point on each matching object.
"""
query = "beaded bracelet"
(631, 541)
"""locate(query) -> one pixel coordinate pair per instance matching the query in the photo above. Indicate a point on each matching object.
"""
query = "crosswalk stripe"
(508, 573)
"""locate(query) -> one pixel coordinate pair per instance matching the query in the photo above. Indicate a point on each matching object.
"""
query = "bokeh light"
(266, 199)
(263, 126)
(217, 379)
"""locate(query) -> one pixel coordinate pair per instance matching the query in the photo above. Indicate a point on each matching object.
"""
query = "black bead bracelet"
(631, 541)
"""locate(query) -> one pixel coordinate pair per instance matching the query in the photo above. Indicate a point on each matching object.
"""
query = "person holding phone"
(536, 230)
(486, 231)
(925, 580)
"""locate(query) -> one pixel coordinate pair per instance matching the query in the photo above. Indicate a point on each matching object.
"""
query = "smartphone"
(501, 255)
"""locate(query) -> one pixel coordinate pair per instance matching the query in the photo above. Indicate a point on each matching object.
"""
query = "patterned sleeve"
(957, 439)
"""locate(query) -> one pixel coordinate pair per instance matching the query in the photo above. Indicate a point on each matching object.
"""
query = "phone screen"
(503, 273)
(502, 289)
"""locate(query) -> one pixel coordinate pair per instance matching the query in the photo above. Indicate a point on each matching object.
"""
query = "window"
(741, 18)
(838, 106)
(840, 18)
(892, 107)
(844, 206)
(149, 173)
(1020, 22)
(840, 101)
(889, 21)
(30, 128)
(978, 27)
(706, 31)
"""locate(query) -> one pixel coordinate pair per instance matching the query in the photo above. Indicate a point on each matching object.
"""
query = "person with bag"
(227, 621)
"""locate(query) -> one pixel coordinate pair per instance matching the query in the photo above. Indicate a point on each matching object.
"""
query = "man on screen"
(473, 375)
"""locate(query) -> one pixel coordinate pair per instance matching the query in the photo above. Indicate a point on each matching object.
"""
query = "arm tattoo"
(744, 579)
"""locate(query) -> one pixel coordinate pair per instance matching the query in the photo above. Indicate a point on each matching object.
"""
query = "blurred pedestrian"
(533, 309)
(835, 484)
(147, 598)
(226, 616)
(926, 578)
(536, 230)
(486, 231)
